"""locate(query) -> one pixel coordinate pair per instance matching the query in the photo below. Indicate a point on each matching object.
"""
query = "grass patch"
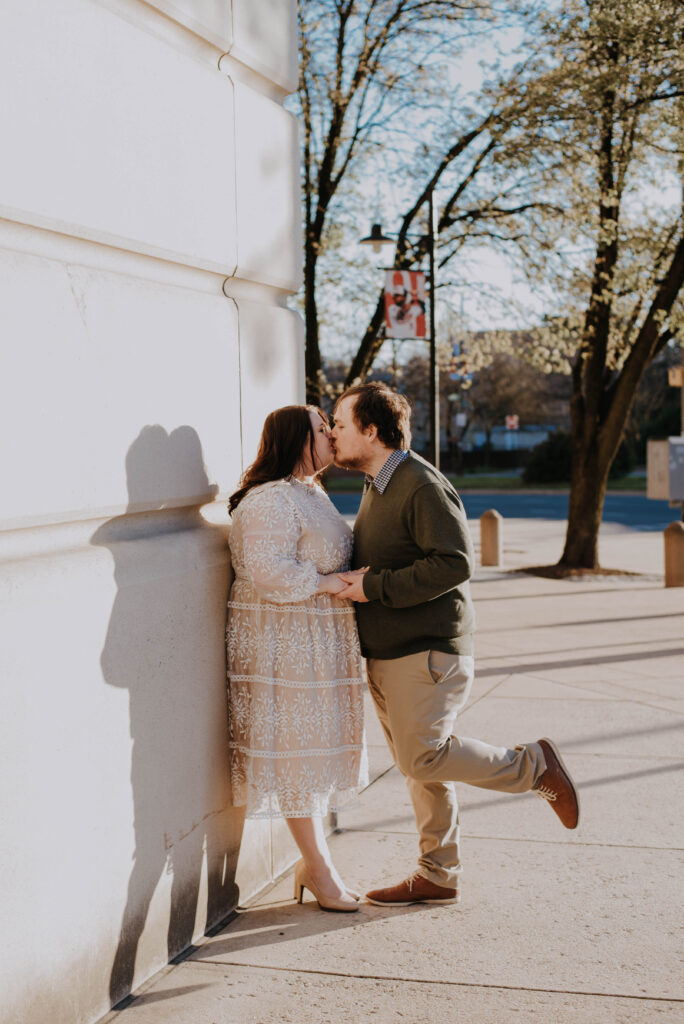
(350, 482)
(353, 483)
(486, 482)
(482, 482)
(628, 483)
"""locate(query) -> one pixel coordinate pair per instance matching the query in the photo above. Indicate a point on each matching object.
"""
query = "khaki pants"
(417, 699)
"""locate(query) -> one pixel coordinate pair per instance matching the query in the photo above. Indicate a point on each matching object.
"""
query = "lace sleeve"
(270, 533)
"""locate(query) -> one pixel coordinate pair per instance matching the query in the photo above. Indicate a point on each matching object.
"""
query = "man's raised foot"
(556, 786)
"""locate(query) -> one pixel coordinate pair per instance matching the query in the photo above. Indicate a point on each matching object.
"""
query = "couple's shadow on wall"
(165, 645)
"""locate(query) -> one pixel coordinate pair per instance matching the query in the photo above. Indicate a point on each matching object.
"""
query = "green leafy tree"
(566, 161)
(608, 95)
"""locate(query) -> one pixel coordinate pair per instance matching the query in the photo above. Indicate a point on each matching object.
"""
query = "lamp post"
(434, 369)
(377, 240)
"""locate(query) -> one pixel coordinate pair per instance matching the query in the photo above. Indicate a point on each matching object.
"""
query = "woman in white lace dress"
(294, 663)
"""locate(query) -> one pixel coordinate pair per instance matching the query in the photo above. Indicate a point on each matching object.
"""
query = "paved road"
(634, 510)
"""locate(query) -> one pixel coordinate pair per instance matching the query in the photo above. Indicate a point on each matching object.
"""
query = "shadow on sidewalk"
(583, 662)
(590, 622)
(280, 922)
(405, 817)
(268, 925)
(604, 780)
(562, 591)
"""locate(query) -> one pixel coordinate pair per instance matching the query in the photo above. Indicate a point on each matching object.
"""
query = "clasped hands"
(348, 586)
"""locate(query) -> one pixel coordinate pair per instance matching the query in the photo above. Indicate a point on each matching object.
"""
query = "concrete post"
(674, 554)
(491, 537)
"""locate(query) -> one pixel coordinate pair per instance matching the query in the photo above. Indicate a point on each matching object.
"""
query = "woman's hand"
(330, 584)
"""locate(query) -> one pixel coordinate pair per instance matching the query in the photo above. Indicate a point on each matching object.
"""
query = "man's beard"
(349, 463)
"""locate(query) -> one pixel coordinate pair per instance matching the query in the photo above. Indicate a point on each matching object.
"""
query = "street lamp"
(377, 240)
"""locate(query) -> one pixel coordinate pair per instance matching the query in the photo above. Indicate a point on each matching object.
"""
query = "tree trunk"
(593, 448)
(589, 404)
(312, 355)
(585, 507)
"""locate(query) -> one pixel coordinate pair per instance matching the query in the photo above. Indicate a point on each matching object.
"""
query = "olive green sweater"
(415, 539)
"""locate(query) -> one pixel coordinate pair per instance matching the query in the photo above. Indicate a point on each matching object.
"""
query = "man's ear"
(372, 432)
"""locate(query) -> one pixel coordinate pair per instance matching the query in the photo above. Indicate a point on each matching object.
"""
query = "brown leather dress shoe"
(556, 786)
(415, 889)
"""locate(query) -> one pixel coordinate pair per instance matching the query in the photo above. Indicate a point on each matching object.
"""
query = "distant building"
(502, 440)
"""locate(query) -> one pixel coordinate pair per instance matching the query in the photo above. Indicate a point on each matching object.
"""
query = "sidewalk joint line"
(595, 700)
(375, 779)
(438, 981)
(626, 757)
(482, 696)
(618, 645)
(517, 839)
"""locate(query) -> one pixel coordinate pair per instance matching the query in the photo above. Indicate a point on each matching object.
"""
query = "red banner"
(405, 300)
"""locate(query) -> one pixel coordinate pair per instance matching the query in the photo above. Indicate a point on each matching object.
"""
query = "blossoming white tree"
(608, 95)
(572, 160)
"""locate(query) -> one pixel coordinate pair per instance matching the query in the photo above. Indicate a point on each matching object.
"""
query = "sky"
(493, 294)
(492, 291)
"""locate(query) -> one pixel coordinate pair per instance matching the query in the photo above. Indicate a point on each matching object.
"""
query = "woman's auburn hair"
(283, 439)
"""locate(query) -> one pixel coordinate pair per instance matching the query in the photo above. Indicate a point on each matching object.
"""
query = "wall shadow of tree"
(165, 644)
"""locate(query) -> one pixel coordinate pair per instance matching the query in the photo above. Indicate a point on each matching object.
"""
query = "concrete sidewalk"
(576, 927)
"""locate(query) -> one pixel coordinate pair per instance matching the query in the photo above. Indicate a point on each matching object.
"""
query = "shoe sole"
(411, 903)
(568, 776)
(338, 910)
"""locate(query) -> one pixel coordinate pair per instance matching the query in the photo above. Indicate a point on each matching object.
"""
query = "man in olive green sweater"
(416, 622)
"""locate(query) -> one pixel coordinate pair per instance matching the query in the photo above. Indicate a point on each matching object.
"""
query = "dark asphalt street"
(634, 510)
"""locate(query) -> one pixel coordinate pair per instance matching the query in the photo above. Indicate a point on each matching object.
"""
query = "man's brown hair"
(378, 406)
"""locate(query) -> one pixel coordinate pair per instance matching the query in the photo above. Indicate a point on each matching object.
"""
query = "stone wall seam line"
(59, 536)
(123, 244)
(57, 246)
(178, 29)
(240, 389)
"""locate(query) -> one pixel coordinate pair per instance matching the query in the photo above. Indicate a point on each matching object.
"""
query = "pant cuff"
(449, 878)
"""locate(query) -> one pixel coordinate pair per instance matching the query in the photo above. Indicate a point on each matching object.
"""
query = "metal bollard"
(491, 537)
(674, 554)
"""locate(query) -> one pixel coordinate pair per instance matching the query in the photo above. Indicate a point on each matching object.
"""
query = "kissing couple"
(311, 599)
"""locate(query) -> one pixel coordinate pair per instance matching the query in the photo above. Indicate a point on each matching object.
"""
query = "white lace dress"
(294, 662)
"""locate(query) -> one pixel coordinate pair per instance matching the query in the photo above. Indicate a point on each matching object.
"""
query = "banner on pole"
(405, 300)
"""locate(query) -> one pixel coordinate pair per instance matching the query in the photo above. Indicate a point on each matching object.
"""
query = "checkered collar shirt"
(385, 474)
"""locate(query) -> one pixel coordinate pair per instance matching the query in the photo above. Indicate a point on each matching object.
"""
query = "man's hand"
(335, 583)
(354, 589)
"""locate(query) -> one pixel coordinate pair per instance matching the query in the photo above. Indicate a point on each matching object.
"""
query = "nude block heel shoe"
(303, 881)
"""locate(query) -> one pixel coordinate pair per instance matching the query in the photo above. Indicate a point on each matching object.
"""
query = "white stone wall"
(149, 238)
